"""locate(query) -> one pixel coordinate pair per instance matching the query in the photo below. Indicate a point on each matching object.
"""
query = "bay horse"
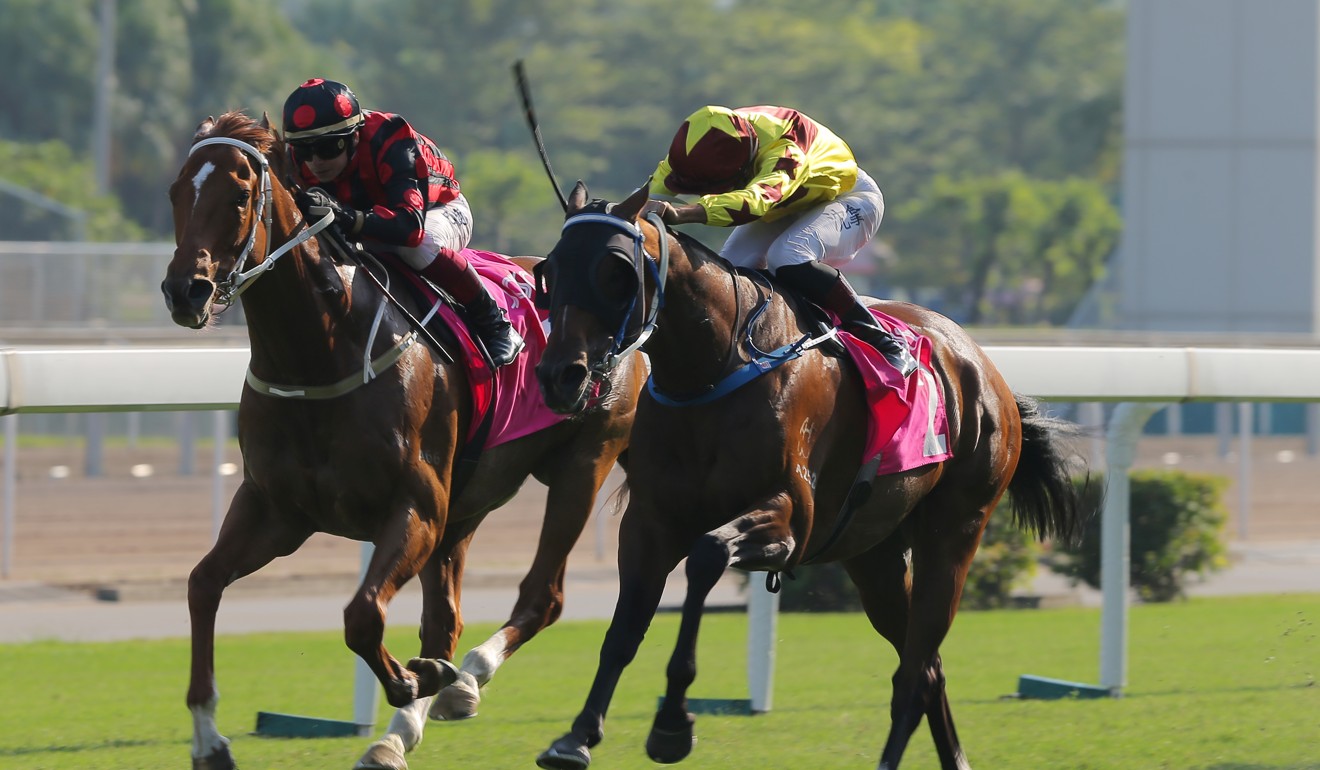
(764, 477)
(373, 462)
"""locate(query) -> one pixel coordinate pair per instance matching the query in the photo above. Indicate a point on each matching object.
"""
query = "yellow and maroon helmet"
(713, 152)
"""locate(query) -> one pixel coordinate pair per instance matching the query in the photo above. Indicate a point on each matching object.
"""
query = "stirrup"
(503, 345)
(887, 345)
(903, 361)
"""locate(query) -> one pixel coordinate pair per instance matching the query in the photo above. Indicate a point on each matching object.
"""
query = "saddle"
(506, 402)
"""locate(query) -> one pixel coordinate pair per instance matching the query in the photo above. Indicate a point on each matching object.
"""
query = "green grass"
(1214, 684)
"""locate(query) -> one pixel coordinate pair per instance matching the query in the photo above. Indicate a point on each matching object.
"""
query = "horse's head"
(594, 282)
(226, 188)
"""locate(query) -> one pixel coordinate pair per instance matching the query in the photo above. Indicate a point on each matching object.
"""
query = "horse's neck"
(299, 313)
(695, 341)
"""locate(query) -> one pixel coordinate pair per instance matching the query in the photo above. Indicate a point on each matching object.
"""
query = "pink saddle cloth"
(510, 396)
(908, 427)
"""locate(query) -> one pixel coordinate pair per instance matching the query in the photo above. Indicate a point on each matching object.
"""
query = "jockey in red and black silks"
(394, 176)
(391, 187)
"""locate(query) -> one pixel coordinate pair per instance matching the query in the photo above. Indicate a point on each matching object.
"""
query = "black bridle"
(636, 319)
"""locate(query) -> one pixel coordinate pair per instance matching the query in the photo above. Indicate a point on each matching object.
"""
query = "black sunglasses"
(325, 148)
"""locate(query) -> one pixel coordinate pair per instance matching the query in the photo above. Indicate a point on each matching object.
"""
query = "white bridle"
(238, 280)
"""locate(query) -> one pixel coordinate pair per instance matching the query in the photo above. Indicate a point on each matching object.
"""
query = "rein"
(762, 363)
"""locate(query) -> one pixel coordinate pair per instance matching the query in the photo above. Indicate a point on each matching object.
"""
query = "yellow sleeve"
(662, 172)
(778, 175)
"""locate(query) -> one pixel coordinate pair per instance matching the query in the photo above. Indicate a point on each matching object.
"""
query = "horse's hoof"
(220, 759)
(668, 746)
(457, 701)
(433, 675)
(384, 754)
(567, 753)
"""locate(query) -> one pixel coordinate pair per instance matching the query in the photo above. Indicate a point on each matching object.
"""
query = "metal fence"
(61, 283)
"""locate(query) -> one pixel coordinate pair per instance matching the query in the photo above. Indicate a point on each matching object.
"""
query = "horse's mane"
(237, 125)
(690, 244)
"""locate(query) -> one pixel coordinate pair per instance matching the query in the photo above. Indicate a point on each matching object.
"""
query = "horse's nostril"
(572, 375)
(200, 291)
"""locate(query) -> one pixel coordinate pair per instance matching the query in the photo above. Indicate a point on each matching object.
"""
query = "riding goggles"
(325, 148)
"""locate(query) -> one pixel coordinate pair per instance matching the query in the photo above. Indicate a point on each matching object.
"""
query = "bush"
(1005, 560)
(1177, 522)
(819, 588)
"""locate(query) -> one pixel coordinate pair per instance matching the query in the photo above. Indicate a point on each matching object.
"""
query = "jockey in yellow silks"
(792, 190)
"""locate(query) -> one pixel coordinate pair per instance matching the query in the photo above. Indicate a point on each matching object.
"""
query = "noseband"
(238, 280)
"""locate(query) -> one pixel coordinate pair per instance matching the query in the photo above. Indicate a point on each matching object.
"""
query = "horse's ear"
(631, 206)
(204, 128)
(577, 199)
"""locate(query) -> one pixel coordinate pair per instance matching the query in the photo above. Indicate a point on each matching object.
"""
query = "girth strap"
(346, 385)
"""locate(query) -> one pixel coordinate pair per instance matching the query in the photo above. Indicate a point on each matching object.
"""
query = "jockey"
(391, 187)
(795, 196)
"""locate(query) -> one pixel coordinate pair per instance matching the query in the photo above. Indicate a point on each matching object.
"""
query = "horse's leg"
(757, 540)
(645, 560)
(441, 624)
(942, 551)
(250, 538)
(402, 547)
(572, 485)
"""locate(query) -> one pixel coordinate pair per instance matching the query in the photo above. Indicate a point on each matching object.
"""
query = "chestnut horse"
(765, 477)
(373, 462)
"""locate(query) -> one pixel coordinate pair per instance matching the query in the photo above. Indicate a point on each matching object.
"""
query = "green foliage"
(1004, 562)
(50, 170)
(1177, 522)
(819, 588)
(963, 89)
(507, 188)
(1024, 250)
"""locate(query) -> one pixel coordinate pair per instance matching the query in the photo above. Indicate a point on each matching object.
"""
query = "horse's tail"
(1042, 494)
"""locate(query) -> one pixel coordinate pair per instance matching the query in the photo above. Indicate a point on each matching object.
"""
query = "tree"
(1025, 250)
(50, 169)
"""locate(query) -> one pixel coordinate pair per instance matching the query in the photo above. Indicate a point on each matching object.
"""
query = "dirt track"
(117, 528)
(79, 531)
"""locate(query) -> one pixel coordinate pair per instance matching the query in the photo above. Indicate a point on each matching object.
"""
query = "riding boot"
(451, 270)
(826, 286)
(486, 318)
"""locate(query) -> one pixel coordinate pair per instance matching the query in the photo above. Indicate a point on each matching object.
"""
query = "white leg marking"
(460, 699)
(206, 737)
(408, 723)
(484, 660)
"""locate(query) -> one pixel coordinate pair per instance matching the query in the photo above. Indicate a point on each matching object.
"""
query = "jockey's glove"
(347, 219)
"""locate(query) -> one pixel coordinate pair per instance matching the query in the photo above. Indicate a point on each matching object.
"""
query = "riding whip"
(525, 92)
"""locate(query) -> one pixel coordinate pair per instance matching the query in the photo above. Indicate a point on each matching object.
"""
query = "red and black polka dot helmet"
(320, 108)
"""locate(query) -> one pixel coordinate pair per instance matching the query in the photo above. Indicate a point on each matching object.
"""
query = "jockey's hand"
(347, 219)
(676, 215)
(653, 205)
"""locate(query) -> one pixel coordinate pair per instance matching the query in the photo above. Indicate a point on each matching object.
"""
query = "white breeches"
(448, 226)
(832, 232)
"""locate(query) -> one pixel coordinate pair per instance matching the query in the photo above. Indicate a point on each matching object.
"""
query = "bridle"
(239, 280)
(624, 342)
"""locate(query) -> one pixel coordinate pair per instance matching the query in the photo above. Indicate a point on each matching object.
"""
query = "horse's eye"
(243, 197)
